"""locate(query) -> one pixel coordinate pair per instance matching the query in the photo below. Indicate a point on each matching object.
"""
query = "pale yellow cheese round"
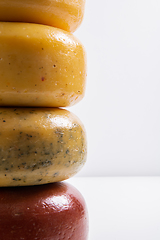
(40, 145)
(64, 14)
(40, 66)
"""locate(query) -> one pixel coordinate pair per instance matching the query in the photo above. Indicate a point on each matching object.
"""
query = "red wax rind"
(46, 212)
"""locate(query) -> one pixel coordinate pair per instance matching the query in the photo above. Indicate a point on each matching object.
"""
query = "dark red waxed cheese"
(46, 212)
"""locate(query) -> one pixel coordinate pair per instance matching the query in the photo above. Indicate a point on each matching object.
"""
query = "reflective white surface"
(122, 208)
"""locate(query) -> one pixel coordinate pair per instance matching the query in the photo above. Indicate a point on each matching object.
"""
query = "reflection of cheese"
(40, 66)
(64, 14)
(39, 145)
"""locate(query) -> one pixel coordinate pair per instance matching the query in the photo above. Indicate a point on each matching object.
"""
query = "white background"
(121, 109)
(121, 208)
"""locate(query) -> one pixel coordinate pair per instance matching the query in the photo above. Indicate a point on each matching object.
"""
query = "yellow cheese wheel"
(64, 14)
(39, 145)
(40, 66)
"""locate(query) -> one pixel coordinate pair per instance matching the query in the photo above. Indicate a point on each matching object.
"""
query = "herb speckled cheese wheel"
(40, 145)
(40, 66)
(64, 14)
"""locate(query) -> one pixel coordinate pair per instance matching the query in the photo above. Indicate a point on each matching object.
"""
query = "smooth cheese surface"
(47, 212)
(63, 14)
(40, 66)
(40, 145)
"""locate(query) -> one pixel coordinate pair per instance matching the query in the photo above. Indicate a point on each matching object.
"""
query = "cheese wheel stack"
(42, 68)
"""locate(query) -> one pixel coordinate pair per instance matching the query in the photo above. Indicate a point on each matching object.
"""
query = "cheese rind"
(48, 212)
(40, 66)
(63, 14)
(40, 145)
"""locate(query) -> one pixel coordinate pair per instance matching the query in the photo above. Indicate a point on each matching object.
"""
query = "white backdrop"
(121, 109)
